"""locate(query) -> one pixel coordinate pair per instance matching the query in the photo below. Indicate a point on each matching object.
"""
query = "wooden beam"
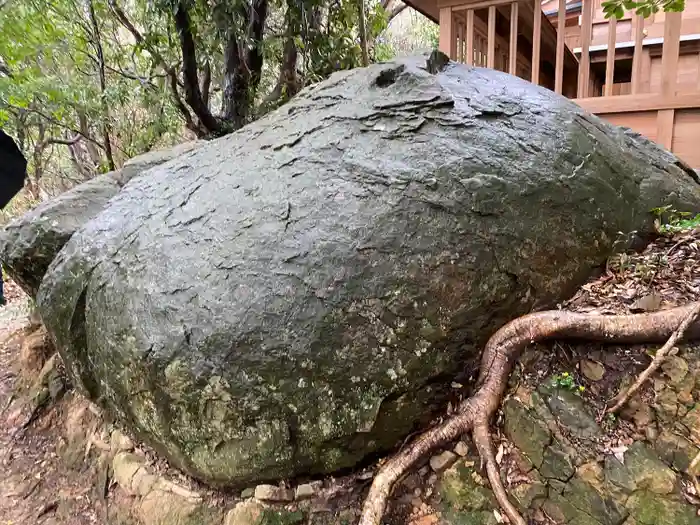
(464, 6)
(642, 102)
(445, 42)
(671, 49)
(470, 37)
(584, 65)
(610, 59)
(491, 56)
(637, 57)
(559, 69)
(536, 42)
(513, 52)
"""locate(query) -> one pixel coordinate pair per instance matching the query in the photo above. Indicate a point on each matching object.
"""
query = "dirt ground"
(38, 483)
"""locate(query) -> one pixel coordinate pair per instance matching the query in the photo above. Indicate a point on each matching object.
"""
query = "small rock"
(443, 461)
(120, 442)
(461, 449)
(305, 491)
(244, 513)
(675, 368)
(556, 464)
(647, 303)
(248, 493)
(528, 433)
(273, 493)
(647, 507)
(651, 433)
(573, 414)
(125, 465)
(692, 421)
(592, 370)
(423, 471)
(640, 413)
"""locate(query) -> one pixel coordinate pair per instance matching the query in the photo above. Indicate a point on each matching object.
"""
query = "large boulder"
(29, 243)
(296, 296)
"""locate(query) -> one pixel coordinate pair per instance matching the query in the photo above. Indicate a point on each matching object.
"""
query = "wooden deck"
(643, 74)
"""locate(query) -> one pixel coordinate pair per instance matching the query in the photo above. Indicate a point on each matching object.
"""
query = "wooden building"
(635, 72)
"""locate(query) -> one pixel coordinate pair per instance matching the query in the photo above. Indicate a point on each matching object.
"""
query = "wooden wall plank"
(664, 127)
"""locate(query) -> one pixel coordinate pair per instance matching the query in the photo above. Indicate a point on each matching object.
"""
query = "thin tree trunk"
(243, 62)
(106, 127)
(193, 94)
(363, 32)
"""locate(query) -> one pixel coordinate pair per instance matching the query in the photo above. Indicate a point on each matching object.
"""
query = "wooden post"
(584, 65)
(513, 62)
(637, 57)
(445, 43)
(670, 52)
(610, 59)
(561, 28)
(536, 41)
(470, 37)
(460, 43)
(491, 42)
(669, 77)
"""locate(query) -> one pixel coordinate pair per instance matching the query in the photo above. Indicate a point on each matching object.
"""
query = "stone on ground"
(289, 299)
(30, 242)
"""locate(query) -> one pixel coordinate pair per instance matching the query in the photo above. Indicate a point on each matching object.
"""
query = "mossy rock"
(460, 491)
(280, 517)
(648, 508)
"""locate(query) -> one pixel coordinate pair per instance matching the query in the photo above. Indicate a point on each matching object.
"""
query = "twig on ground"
(623, 397)
(691, 471)
(475, 413)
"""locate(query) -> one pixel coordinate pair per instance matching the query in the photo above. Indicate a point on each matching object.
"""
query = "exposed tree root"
(475, 413)
(623, 397)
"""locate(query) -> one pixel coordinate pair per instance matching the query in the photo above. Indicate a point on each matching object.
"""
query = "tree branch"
(172, 74)
(52, 120)
(97, 43)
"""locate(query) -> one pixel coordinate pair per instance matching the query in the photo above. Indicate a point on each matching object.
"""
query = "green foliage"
(566, 381)
(76, 81)
(644, 8)
(670, 220)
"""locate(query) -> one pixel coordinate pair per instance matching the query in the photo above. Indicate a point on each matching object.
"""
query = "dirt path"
(36, 485)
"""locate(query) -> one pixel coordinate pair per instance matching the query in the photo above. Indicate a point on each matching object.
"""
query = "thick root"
(623, 397)
(475, 413)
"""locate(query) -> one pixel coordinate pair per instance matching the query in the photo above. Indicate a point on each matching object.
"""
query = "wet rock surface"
(295, 322)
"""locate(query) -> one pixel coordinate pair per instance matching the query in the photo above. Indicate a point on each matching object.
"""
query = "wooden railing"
(515, 37)
(472, 39)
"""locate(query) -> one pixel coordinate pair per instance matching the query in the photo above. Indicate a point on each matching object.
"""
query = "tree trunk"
(363, 32)
(193, 94)
(97, 43)
(243, 61)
